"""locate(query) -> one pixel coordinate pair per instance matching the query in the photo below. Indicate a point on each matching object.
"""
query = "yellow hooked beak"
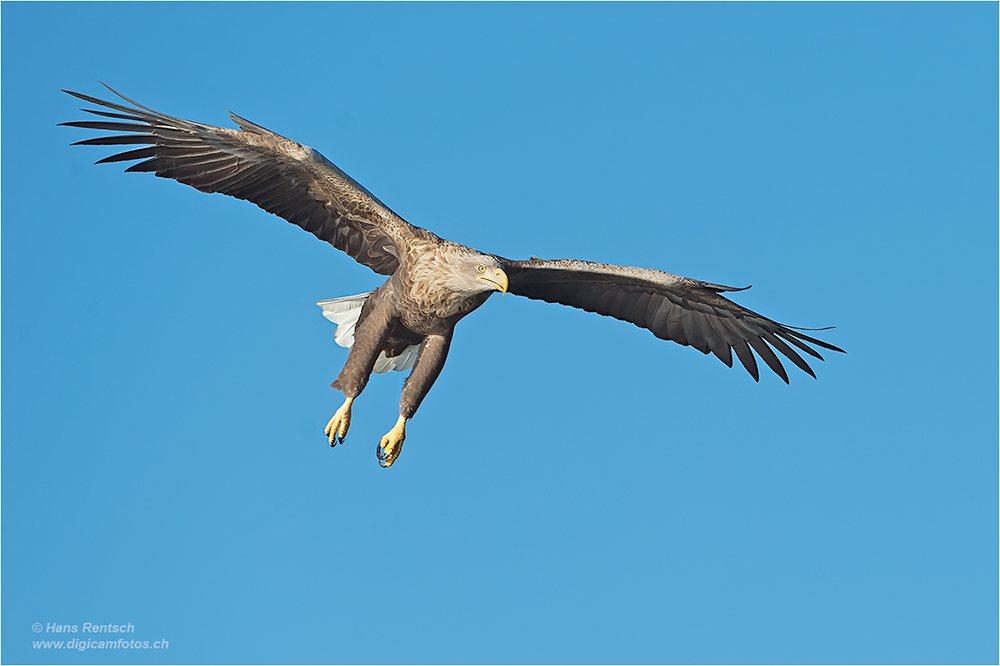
(497, 279)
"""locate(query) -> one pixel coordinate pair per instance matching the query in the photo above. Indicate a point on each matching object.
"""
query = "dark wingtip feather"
(75, 94)
(768, 356)
(819, 343)
(107, 126)
(148, 165)
(724, 353)
(787, 351)
(87, 98)
(109, 114)
(116, 140)
(137, 154)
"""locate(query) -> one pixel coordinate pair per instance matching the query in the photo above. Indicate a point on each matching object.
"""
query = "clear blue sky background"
(573, 489)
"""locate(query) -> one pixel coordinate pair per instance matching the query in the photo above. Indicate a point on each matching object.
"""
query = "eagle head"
(491, 275)
(450, 271)
(470, 272)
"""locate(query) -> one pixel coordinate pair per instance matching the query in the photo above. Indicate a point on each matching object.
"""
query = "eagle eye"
(481, 268)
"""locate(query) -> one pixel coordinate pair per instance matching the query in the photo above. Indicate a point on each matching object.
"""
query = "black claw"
(383, 458)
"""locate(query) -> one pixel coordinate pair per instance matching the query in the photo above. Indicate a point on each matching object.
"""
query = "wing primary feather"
(116, 140)
(786, 335)
(768, 356)
(724, 354)
(790, 353)
(137, 154)
(148, 165)
(739, 344)
(107, 126)
(818, 343)
(110, 114)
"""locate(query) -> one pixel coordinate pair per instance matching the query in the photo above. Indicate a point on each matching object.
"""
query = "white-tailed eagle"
(432, 283)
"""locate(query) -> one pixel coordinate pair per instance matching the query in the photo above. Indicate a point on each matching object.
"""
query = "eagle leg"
(433, 352)
(391, 444)
(337, 428)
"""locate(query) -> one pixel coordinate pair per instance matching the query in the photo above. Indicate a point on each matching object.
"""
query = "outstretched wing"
(279, 175)
(689, 312)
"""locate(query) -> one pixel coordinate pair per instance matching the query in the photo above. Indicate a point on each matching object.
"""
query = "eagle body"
(408, 322)
(437, 283)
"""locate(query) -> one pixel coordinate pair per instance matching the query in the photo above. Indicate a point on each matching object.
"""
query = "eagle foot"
(337, 428)
(391, 444)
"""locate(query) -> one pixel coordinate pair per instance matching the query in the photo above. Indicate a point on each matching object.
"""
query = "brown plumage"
(432, 282)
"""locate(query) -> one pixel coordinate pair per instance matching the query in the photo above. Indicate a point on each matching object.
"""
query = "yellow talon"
(391, 444)
(337, 428)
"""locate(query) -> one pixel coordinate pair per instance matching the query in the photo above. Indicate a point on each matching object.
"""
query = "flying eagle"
(432, 283)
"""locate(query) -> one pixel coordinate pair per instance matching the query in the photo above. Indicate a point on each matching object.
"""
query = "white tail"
(344, 312)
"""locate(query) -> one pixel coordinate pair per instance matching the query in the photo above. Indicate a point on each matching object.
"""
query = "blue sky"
(165, 369)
